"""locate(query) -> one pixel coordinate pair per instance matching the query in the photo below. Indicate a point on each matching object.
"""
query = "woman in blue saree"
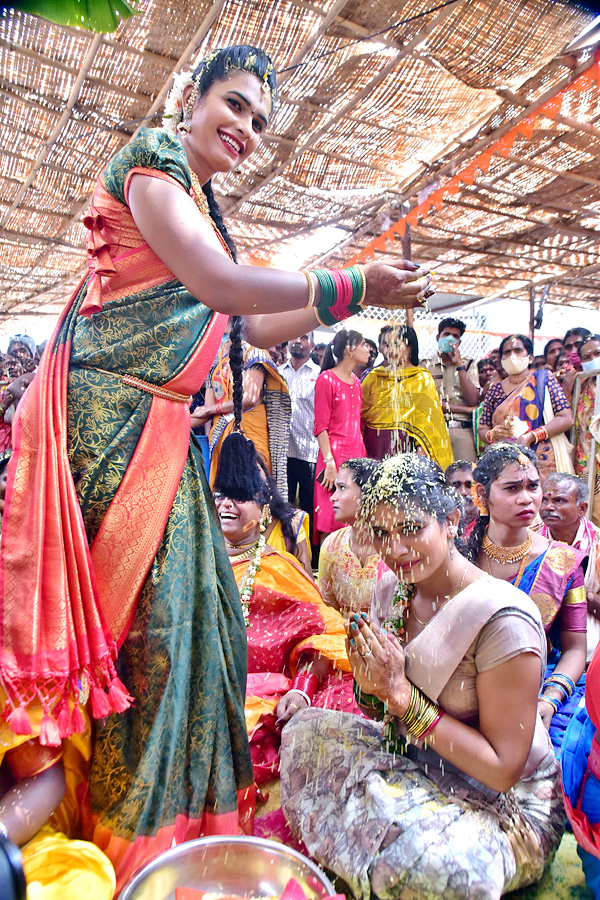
(509, 495)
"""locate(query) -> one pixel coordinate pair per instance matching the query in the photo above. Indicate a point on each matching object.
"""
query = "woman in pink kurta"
(338, 402)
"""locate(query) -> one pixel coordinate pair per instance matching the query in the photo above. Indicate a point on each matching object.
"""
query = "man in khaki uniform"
(457, 381)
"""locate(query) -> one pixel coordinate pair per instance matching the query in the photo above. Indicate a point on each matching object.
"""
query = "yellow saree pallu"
(405, 401)
(113, 570)
(57, 867)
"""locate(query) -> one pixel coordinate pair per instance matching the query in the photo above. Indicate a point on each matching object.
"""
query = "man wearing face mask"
(528, 407)
(457, 381)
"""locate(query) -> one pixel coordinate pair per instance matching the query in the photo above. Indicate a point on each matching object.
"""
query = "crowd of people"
(360, 402)
(347, 601)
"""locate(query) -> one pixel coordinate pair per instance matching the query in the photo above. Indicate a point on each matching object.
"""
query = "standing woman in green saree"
(115, 587)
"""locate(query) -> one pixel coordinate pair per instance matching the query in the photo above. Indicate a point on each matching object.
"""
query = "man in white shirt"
(563, 512)
(301, 373)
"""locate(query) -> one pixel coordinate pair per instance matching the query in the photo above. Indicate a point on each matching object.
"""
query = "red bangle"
(540, 434)
(219, 407)
(488, 436)
(307, 682)
(428, 731)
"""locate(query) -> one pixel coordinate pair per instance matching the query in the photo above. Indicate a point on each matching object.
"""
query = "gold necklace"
(505, 555)
(239, 557)
(199, 197)
(462, 581)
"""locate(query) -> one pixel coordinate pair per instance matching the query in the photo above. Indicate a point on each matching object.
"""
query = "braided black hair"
(489, 467)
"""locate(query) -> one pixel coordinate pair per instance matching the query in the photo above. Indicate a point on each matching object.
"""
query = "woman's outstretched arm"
(170, 222)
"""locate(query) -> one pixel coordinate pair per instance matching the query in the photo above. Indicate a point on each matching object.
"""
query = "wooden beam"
(398, 131)
(66, 279)
(570, 176)
(307, 46)
(527, 199)
(13, 95)
(574, 124)
(361, 95)
(418, 183)
(349, 160)
(484, 251)
(42, 59)
(558, 226)
(319, 223)
(192, 46)
(19, 238)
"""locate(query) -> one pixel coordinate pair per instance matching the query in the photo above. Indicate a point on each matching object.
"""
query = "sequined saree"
(287, 618)
(107, 501)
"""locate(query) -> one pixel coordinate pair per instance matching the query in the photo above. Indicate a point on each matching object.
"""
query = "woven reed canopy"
(472, 122)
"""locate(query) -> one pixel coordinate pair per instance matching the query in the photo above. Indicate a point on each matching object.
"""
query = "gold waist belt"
(146, 386)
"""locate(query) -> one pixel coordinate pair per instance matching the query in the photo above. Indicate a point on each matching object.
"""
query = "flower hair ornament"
(175, 117)
(479, 503)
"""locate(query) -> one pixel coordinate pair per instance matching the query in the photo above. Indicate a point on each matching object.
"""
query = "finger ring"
(365, 655)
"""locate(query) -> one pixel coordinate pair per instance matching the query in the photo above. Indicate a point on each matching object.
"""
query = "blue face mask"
(591, 365)
(447, 344)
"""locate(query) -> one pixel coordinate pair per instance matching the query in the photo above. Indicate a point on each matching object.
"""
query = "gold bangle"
(363, 278)
(420, 713)
(311, 290)
(318, 317)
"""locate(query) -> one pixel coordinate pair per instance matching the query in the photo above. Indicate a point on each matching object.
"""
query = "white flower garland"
(247, 585)
(173, 112)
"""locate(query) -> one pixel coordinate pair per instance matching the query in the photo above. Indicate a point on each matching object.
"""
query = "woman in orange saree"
(296, 643)
(266, 423)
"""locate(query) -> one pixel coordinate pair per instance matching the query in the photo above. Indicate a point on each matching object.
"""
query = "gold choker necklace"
(506, 555)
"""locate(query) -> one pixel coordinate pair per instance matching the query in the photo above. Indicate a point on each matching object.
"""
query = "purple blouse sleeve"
(573, 611)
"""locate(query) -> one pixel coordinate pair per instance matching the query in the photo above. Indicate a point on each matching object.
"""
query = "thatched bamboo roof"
(356, 134)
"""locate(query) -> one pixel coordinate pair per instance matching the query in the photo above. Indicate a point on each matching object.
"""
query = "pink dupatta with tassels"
(66, 607)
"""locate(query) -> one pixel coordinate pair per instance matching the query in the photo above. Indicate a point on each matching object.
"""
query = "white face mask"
(591, 365)
(514, 365)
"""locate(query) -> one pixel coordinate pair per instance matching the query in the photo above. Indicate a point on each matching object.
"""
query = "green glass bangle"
(328, 297)
(369, 701)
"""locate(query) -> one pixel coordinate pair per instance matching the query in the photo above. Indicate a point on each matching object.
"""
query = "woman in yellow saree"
(40, 795)
(401, 408)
